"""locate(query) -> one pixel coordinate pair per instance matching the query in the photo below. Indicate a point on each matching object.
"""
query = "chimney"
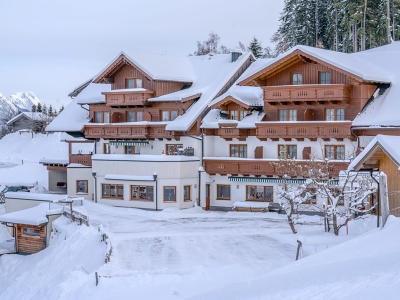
(235, 55)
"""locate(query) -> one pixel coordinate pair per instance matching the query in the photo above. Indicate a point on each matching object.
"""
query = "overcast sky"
(51, 46)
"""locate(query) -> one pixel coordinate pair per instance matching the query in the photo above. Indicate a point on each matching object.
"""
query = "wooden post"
(97, 278)
(299, 245)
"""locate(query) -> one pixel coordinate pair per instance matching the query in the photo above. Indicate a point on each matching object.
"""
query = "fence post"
(299, 245)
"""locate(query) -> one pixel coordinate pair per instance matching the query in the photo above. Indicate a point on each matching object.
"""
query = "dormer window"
(132, 83)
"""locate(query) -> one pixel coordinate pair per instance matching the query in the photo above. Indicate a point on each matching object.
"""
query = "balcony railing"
(230, 133)
(318, 92)
(142, 131)
(300, 130)
(262, 167)
(127, 98)
(83, 159)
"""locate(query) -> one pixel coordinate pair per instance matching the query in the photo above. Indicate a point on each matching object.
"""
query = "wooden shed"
(383, 154)
(31, 227)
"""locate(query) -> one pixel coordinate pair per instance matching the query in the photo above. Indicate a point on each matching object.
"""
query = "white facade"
(78, 173)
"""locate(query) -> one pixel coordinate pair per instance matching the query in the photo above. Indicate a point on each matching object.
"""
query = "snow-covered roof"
(92, 94)
(213, 73)
(390, 144)
(36, 116)
(159, 67)
(35, 216)
(213, 120)
(72, 118)
(66, 137)
(37, 196)
(146, 158)
(248, 95)
(128, 177)
(54, 161)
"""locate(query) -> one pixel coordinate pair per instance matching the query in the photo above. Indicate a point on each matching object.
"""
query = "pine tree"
(44, 109)
(51, 113)
(256, 48)
(34, 108)
(39, 107)
(61, 109)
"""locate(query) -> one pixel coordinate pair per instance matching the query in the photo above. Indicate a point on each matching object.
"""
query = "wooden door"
(207, 197)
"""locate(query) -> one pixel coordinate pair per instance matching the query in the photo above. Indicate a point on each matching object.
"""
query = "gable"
(292, 60)
(227, 100)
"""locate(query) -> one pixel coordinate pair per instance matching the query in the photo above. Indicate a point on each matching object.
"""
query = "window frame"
(238, 150)
(288, 112)
(32, 235)
(168, 115)
(106, 148)
(335, 113)
(148, 199)
(176, 146)
(223, 198)
(86, 190)
(109, 196)
(286, 151)
(189, 194)
(320, 77)
(264, 193)
(169, 187)
(335, 152)
(293, 81)
(135, 82)
(135, 148)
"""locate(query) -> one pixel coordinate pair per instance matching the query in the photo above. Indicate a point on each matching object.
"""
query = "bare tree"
(211, 45)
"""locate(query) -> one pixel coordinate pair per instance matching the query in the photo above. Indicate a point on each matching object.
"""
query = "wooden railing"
(115, 131)
(83, 159)
(318, 92)
(127, 98)
(301, 130)
(260, 167)
(230, 133)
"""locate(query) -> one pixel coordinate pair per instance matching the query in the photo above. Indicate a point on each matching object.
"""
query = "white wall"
(80, 173)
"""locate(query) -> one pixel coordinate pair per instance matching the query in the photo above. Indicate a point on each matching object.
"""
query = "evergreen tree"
(34, 108)
(44, 109)
(61, 109)
(51, 112)
(39, 107)
(256, 48)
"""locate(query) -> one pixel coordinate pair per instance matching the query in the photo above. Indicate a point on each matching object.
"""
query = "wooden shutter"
(306, 152)
(258, 152)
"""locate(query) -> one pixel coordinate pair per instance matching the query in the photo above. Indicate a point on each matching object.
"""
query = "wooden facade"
(30, 243)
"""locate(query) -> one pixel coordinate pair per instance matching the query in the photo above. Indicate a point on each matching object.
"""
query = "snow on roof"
(54, 161)
(72, 118)
(66, 137)
(159, 67)
(128, 177)
(92, 94)
(144, 158)
(213, 73)
(127, 90)
(32, 216)
(391, 144)
(31, 115)
(213, 119)
(249, 95)
(37, 196)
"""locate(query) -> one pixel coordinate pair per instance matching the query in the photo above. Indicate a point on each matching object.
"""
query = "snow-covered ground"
(205, 255)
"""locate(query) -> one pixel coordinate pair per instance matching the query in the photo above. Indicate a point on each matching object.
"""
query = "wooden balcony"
(306, 93)
(83, 159)
(229, 133)
(301, 130)
(128, 97)
(140, 131)
(262, 167)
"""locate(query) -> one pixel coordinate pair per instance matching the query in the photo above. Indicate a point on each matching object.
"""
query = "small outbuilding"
(383, 154)
(31, 227)
(34, 121)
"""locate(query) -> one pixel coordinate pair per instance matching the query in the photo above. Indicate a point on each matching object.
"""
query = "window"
(335, 152)
(186, 193)
(132, 150)
(102, 117)
(106, 148)
(169, 194)
(131, 83)
(324, 78)
(223, 192)
(297, 78)
(234, 115)
(112, 191)
(238, 151)
(81, 186)
(287, 151)
(165, 116)
(174, 114)
(288, 115)
(172, 149)
(139, 116)
(31, 232)
(260, 193)
(242, 114)
(332, 114)
(130, 116)
(143, 193)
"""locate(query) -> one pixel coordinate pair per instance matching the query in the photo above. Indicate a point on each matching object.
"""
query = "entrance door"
(207, 197)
